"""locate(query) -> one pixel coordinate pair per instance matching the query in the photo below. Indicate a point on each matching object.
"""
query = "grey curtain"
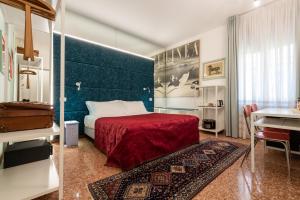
(232, 111)
(298, 47)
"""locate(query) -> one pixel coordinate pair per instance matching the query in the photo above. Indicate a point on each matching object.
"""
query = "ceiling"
(156, 24)
(162, 22)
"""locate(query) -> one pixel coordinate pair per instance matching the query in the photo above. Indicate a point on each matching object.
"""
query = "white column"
(62, 100)
(216, 110)
(51, 83)
(252, 143)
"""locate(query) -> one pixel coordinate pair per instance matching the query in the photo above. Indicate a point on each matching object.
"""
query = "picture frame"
(1, 54)
(11, 65)
(214, 69)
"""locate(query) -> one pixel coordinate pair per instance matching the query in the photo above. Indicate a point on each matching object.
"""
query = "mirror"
(33, 80)
(20, 80)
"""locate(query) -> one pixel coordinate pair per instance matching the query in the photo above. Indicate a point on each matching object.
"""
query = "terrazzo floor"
(85, 164)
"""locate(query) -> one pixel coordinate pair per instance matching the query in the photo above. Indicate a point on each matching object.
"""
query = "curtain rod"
(253, 9)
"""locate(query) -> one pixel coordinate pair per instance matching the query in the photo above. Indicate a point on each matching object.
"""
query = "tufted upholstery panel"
(105, 75)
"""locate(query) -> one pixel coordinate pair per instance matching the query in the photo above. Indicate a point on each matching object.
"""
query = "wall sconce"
(147, 88)
(149, 91)
(256, 3)
(78, 84)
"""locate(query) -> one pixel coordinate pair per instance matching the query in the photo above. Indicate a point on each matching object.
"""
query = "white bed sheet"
(89, 121)
(89, 132)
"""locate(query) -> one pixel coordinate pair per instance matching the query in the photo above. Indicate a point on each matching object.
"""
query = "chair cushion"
(247, 111)
(274, 134)
(277, 130)
(254, 107)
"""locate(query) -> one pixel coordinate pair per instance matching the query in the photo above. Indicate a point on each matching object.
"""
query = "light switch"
(65, 99)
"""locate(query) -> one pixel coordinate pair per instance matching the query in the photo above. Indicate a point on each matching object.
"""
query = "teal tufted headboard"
(105, 74)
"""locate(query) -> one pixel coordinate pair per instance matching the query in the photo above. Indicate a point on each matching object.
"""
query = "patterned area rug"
(180, 175)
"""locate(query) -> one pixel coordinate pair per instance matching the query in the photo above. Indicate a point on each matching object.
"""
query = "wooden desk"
(285, 118)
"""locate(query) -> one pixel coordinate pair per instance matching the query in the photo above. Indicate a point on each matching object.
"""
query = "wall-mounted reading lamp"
(78, 84)
(147, 88)
(149, 92)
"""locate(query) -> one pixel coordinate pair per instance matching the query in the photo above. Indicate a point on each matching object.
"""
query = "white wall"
(213, 45)
(2, 77)
(298, 49)
(11, 47)
(90, 29)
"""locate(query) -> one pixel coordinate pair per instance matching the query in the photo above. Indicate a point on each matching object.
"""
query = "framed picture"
(1, 54)
(2, 59)
(214, 69)
(11, 67)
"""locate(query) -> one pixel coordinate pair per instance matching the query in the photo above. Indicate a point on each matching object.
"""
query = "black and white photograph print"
(179, 76)
(182, 75)
(159, 75)
(179, 53)
(193, 49)
(169, 56)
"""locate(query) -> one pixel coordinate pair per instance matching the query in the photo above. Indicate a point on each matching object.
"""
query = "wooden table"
(284, 118)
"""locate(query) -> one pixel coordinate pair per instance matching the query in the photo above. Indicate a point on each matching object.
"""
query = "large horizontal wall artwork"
(176, 71)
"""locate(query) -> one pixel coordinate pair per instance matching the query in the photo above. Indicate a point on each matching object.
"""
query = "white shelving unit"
(211, 94)
(31, 180)
(19, 136)
(35, 179)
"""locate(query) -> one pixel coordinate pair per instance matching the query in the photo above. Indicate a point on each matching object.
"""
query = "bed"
(136, 136)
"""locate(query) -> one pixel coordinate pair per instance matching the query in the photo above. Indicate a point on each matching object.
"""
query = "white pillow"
(89, 105)
(106, 109)
(135, 107)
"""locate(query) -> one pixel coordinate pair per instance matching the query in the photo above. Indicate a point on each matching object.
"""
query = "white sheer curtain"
(267, 70)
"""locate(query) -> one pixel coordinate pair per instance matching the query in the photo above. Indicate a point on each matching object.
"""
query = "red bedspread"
(131, 140)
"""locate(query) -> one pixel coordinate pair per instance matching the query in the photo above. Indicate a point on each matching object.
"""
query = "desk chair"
(267, 134)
